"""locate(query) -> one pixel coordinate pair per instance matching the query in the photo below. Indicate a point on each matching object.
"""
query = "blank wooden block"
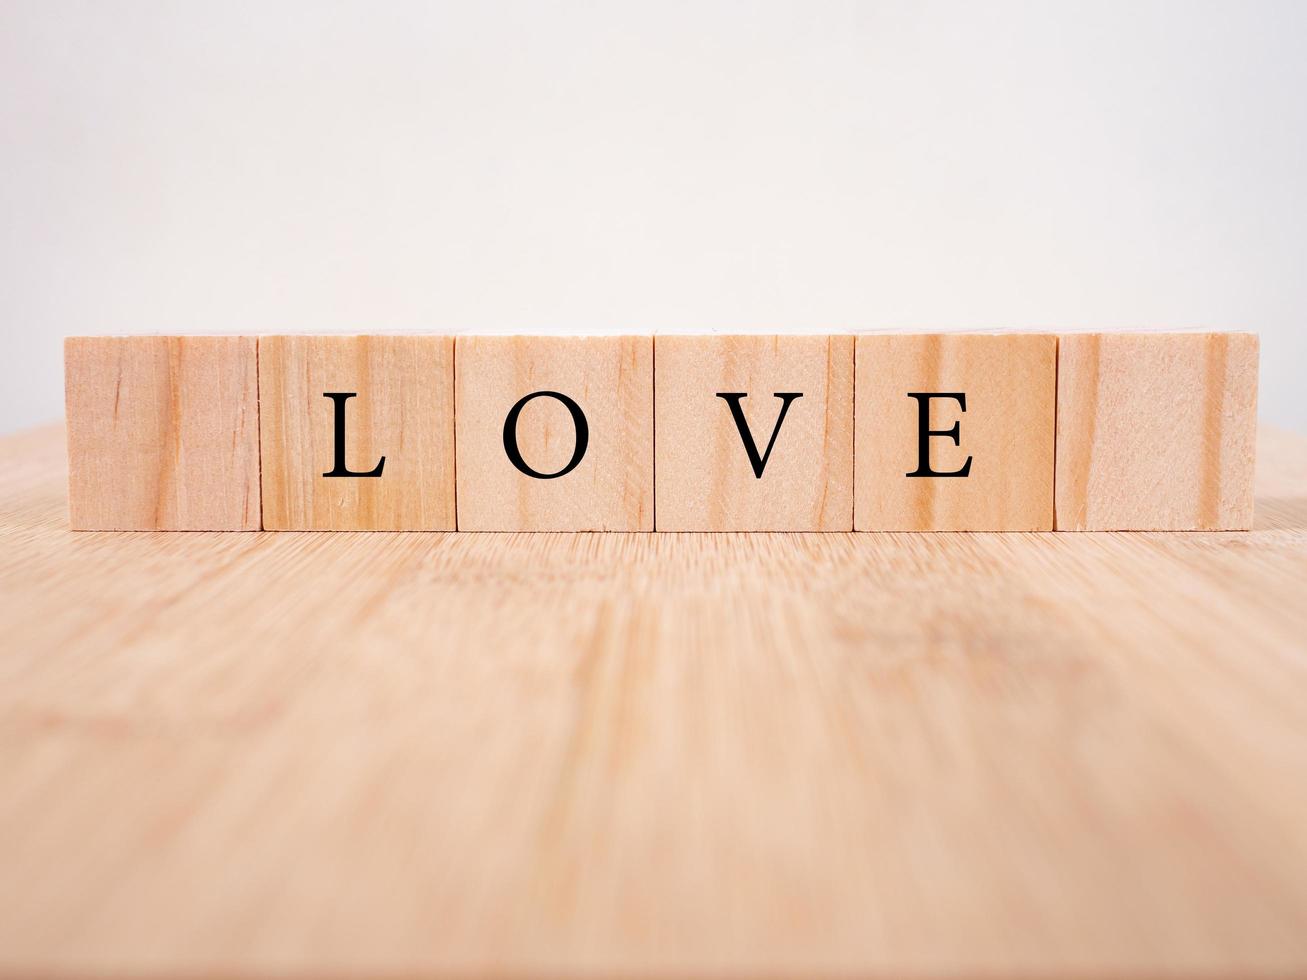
(609, 380)
(402, 410)
(706, 478)
(1009, 384)
(163, 433)
(1155, 431)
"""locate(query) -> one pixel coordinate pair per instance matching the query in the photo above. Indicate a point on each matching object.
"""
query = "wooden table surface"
(316, 754)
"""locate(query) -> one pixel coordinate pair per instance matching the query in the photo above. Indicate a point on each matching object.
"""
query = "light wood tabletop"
(313, 754)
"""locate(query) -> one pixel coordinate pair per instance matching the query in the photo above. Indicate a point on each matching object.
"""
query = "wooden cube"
(954, 432)
(163, 433)
(1156, 431)
(357, 432)
(754, 433)
(555, 433)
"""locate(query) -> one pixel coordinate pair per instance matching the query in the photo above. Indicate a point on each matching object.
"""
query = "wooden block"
(1003, 417)
(163, 433)
(715, 475)
(1156, 431)
(593, 470)
(396, 396)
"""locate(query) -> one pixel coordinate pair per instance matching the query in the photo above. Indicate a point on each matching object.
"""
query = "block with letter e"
(955, 432)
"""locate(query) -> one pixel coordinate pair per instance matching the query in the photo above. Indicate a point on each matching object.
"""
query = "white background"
(763, 166)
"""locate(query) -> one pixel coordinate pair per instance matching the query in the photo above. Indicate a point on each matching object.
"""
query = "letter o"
(510, 435)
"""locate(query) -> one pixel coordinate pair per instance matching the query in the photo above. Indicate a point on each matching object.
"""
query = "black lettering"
(733, 398)
(510, 435)
(924, 431)
(339, 398)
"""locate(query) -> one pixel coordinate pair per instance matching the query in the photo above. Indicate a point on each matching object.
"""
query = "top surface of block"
(609, 380)
(705, 478)
(163, 433)
(1156, 431)
(402, 409)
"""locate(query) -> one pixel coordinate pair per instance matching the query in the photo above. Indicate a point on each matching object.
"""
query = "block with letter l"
(357, 432)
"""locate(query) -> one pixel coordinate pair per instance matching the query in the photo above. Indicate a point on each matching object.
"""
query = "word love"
(868, 432)
(513, 450)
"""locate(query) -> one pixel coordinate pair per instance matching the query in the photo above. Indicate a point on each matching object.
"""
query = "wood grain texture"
(163, 433)
(611, 381)
(1010, 385)
(1156, 431)
(705, 480)
(403, 411)
(703, 754)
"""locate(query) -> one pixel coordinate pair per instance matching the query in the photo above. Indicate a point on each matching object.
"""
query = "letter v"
(733, 399)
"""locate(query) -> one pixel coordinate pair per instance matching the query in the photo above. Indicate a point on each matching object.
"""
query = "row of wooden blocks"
(916, 432)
